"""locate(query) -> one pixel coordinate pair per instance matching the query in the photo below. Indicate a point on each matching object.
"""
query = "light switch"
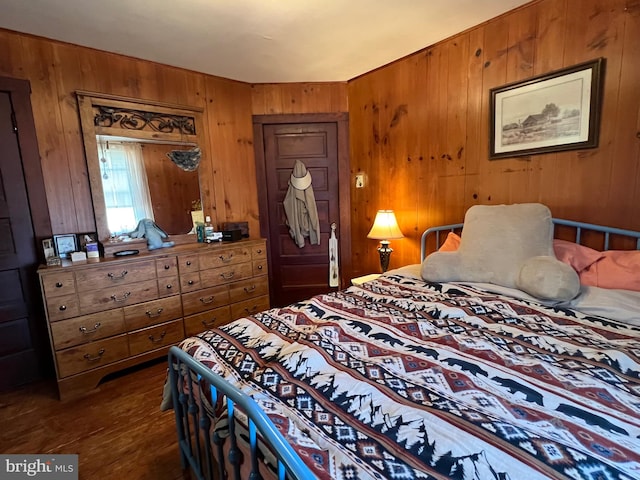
(360, 180)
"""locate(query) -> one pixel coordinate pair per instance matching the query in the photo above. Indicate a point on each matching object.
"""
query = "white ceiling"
(255, 41)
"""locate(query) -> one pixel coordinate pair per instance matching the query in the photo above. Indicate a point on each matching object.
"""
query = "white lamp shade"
(385, 226)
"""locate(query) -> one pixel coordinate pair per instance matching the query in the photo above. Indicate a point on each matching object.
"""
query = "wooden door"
(298, 273)
(20, 305)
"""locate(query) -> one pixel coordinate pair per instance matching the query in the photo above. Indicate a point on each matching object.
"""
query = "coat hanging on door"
(300, 207)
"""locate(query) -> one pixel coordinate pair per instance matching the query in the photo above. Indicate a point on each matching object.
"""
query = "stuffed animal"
(153, 233)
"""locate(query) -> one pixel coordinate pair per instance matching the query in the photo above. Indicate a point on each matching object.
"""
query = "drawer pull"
(226, 259)
(122, 298)
(62, 308)
(250, 289)
(159, 339)
(113, 276)
(84, 330)
(169, 286)
(209, 323)
(209, 299)
(153, 315)
(190, 282)
(259, 267)
(188, 263)
(167, 267)
(251, 310)
(259, 251)
(96, 358)
(58, 285)
(228, 276)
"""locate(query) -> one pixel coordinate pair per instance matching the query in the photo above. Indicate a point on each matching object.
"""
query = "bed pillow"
(619, 269)
(496, 242)
(451, 243)
(548, 278)
(576, 255)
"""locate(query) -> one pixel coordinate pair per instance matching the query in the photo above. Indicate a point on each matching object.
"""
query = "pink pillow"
(451, 243)
(578, 256)
(615, 269)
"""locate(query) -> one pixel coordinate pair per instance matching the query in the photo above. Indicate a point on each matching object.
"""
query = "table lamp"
(385, 227)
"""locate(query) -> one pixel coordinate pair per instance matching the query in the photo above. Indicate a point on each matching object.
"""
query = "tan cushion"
(548, 278)
(496, 242)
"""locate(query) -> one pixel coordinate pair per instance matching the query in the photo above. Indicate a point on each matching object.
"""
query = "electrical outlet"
(360, 180)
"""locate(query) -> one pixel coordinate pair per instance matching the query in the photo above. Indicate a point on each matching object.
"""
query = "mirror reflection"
(140, 181)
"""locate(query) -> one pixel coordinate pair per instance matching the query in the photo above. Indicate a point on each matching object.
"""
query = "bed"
(404, 378)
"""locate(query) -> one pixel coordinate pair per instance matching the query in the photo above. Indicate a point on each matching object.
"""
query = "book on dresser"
(108, 314)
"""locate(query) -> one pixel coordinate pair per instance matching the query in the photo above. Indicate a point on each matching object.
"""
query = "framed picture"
(548, 113)
(47, 248)
(65, 244)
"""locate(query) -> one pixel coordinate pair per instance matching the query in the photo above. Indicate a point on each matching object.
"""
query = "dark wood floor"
(118, 430)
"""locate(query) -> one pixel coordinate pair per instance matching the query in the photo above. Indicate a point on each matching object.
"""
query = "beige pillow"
(549, 279)
(496, 242)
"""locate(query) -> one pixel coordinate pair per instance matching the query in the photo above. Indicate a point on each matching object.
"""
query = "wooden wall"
(56, 70)
(287, 98)
(419, 126)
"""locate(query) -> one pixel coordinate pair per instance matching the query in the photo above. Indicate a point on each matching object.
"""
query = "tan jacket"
(300, 207)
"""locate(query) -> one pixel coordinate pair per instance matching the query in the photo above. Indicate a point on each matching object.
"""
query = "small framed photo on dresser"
(65, 244)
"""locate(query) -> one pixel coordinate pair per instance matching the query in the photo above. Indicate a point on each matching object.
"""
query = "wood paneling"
(286, 98)
(56, 70)
(432, 164)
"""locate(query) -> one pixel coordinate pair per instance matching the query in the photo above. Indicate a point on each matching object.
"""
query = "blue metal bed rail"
(202, 449)
(578, 226)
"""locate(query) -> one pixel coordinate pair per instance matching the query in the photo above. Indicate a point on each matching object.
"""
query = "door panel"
(18, 259)
(299, 273)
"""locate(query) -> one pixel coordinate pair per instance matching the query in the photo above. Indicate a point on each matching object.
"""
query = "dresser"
(108, 314)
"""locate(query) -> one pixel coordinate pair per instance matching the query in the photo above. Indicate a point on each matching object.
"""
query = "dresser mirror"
(142, 159)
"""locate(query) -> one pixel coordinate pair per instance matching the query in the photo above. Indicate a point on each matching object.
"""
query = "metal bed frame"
(578, 226)
(204, 451)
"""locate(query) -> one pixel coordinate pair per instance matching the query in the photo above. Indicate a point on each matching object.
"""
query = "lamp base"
(385, 252)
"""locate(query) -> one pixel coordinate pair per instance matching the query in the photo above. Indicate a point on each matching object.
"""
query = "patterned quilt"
(402, 379)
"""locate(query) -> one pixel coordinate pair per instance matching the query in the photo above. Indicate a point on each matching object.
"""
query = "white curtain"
(124, 183)
(142, 207)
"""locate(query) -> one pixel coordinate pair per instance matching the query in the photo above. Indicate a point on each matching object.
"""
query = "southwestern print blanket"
(402, 379)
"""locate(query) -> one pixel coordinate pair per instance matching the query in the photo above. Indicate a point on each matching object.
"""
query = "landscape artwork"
(556, 111)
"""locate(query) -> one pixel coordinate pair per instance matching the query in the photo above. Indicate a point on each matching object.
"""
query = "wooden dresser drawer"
(206, 299)
(58, 284)
(168, 286)
(167, 267)
(115, 275)
(260, 267)
(91, 355)
(152, 313)
(253, 287)
(222, 275)
(188, 263)
(66, 306)
(151, 338)
(224, 257)
(79, 330)
(249, 307)
(190, 282)
(120, 296)
(259, 252)
(204, 321)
